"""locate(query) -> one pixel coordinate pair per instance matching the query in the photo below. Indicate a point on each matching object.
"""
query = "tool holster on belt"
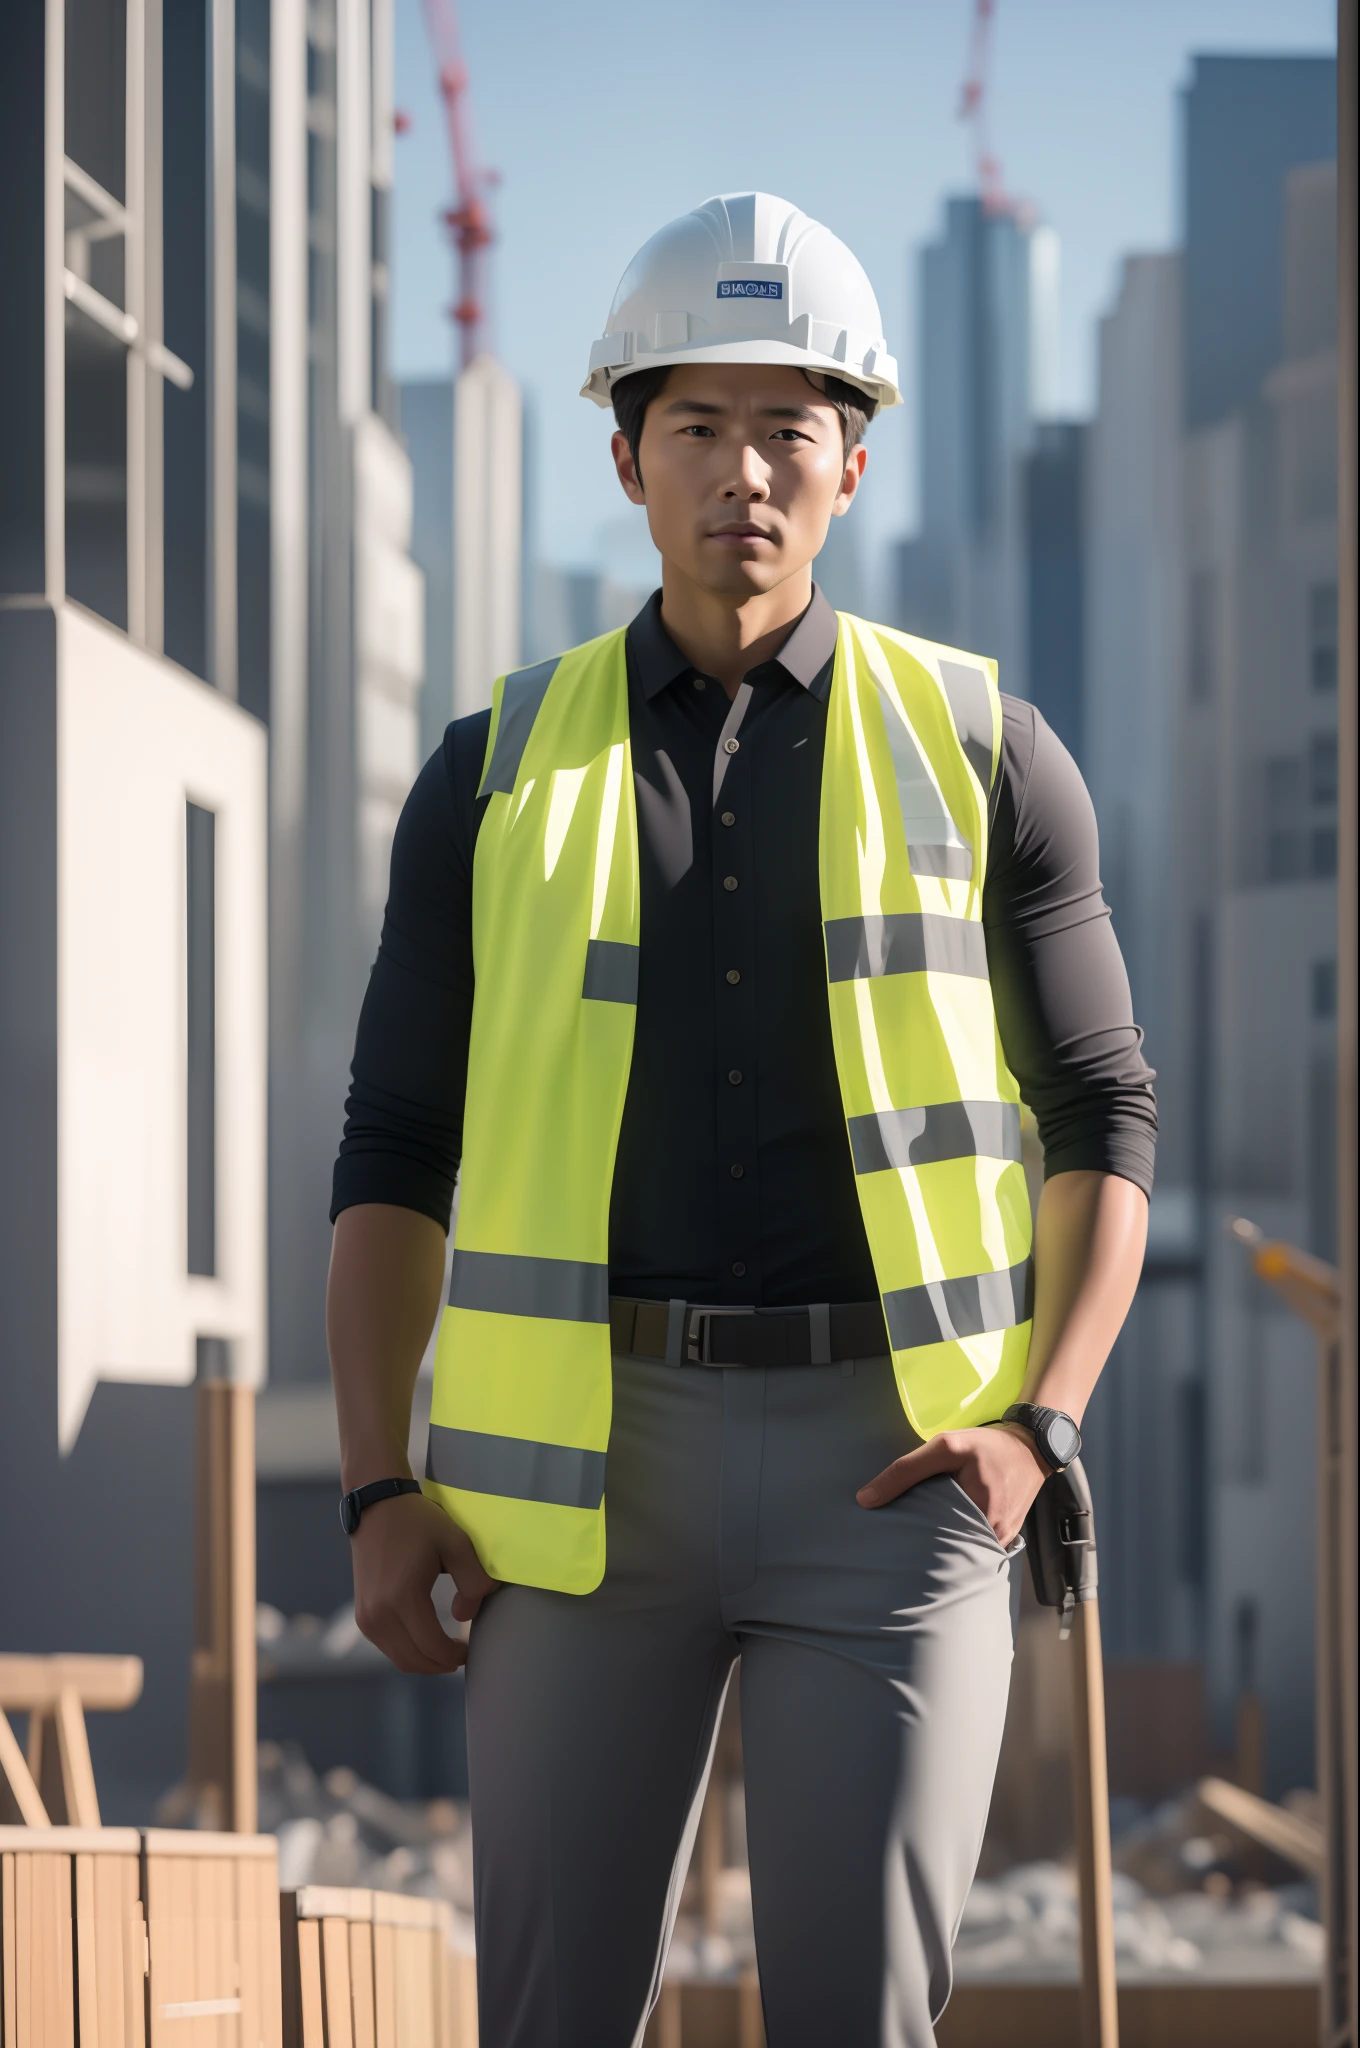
(1060, 1542)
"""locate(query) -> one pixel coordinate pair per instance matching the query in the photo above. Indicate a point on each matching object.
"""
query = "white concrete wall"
(389, 652)
(136, 740)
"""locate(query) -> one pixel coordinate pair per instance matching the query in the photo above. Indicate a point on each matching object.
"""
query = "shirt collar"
(805, 657)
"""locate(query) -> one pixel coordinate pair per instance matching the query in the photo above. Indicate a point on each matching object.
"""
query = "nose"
(750, 485)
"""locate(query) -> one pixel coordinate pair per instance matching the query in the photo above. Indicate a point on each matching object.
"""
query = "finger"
(390, 1635)
(925, 1462)
(460, 1560)
(466, 1606)
(417, 1616)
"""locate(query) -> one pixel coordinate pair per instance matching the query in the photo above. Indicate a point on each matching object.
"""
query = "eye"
(789, 434)
(697, 429)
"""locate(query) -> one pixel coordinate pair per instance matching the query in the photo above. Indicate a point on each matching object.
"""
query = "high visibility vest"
(522, 1388)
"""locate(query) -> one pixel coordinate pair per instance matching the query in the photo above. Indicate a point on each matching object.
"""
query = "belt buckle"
(699, 1340)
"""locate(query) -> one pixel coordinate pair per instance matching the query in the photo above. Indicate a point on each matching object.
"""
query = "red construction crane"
(973, 109)
(469, 219)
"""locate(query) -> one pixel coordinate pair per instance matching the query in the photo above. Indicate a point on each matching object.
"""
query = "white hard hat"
(746, 278)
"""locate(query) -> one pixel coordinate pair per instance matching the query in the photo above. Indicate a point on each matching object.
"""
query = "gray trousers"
(875, 1650)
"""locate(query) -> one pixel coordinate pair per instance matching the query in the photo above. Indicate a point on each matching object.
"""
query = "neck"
(723, 636)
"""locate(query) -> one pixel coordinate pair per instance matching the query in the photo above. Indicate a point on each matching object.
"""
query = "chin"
(742, 578)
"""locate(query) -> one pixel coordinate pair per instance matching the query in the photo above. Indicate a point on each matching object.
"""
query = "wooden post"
(222, 1728)
(1091, 1812)
(1316, 1293)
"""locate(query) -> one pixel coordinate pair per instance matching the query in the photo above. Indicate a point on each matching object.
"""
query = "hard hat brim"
(882, 388)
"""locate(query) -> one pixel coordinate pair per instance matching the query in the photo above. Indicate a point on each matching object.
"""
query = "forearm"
(382, 1297)
(1089, 1237)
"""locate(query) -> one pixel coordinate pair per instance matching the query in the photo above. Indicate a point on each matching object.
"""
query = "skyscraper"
(348, 611)
(1246, 122)
(986, 290)
(1254, 921)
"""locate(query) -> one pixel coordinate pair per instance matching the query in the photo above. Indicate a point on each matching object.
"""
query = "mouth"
(744, 534)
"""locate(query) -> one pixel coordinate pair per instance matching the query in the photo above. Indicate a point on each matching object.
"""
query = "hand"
(997, 1466)
(399, 1549)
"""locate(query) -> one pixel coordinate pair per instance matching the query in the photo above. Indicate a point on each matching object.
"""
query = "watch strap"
(1035, 1418)
(352, 1505)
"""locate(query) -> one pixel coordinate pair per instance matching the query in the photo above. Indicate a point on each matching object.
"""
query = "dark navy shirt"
(734, 1181)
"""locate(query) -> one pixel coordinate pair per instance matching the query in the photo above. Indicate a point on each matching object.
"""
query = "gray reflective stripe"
(955, 862)
(510, 1284)
(553, 1474)
(908, 942)
(933, 841)
(611, 972)
(944, 1309)
(971, 704)
(942, 1130)
(521, 696)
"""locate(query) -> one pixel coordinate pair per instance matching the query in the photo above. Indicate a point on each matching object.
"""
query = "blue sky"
(605, 123)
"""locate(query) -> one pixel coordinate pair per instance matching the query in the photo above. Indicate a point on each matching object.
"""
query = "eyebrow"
(768, 412)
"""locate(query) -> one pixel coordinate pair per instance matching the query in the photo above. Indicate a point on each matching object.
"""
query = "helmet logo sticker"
(750, 288)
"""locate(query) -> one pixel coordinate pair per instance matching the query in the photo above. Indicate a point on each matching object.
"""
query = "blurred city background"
(288, 480)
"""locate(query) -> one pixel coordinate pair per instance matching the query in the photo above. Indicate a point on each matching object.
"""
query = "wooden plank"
(384, 1984)
(93, 2022)
(361, 1984)
(25, 1972)
(17, 1780)
(465, 1998)
(72, 1841)
(102, 1684)
(57, 1912)
(336, 1984)
(1298, 1840)
(261, 1985)
(312, 1998)
(77, 1771)
(139, 1969)
(9, 2026)
(169, 1842)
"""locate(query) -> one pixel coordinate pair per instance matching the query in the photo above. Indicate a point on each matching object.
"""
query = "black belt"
(695, 1333)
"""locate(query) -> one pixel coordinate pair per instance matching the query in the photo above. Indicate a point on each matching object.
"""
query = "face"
(743, 467)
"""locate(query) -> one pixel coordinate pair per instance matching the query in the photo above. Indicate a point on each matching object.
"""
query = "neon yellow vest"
(522, 1391)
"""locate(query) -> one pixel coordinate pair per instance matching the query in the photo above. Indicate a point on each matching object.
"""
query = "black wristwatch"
(353, 1504)
(1056, 1436)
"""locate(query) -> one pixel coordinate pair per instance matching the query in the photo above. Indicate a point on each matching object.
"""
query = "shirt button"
(729, 881)
(738, 1170)
(729, 817)
(733, 976)
(730, 746)
(735, 1077)
(699, 683)
(739, 1268)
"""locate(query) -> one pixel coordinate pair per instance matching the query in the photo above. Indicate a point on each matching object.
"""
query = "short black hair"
(632, 395)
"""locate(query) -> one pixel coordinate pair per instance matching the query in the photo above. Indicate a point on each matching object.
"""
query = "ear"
(627, 468)
(854, 470)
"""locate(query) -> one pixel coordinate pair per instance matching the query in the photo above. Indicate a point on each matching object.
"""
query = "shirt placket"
(734, 934)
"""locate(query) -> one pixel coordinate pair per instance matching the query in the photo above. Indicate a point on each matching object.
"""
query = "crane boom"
(973, 109)
(468, 220)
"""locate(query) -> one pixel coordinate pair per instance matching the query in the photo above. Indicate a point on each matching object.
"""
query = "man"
(774, 918)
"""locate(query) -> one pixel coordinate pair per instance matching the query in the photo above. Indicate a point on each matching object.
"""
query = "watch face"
(1062, 1439)
(349, 1513)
